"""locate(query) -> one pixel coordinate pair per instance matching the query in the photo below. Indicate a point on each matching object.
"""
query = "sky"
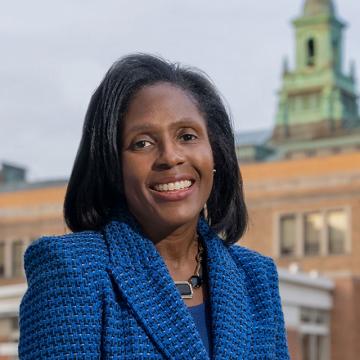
(54, 54)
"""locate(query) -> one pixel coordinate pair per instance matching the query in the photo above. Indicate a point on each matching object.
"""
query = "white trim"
(314, 329)
(9, 348)
(9, 308)
(7, 291)
(304, 279)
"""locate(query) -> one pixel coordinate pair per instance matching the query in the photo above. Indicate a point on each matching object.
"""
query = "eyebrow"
(147, 127)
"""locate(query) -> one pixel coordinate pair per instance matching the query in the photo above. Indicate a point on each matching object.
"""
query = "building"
(303, 212)
(302, 179)
(27, 211)
(307, 303)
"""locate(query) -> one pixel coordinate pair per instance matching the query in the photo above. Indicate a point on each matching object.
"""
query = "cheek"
(206, 162)
(133, 175)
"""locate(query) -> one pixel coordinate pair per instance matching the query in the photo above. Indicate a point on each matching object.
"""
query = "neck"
(179, 248)
(177, 245)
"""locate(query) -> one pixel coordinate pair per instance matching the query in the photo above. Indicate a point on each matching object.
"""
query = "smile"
(173, 186)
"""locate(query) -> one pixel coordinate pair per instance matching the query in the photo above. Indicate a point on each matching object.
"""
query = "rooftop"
(255, 137)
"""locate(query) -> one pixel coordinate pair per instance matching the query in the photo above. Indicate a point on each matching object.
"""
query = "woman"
(144, 274)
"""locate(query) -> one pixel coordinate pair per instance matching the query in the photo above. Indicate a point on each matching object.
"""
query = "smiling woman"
(144, 273)
(167, 159)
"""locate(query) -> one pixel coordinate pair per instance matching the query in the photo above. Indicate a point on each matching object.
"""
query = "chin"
(179, 217)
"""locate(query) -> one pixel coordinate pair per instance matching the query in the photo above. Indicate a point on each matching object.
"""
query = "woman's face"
(166, 157)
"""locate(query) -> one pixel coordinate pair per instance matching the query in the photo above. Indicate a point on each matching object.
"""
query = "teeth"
(178, 185)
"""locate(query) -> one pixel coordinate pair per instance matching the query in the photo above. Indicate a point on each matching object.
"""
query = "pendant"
(195, 281)
(185, 289)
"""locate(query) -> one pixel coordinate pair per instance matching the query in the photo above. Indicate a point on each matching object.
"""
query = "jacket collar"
(142, 278)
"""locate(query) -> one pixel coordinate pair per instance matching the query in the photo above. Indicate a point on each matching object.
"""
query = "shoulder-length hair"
(95, 186)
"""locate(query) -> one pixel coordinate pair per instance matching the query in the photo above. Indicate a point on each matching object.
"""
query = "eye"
(141, 144)
(188, 137)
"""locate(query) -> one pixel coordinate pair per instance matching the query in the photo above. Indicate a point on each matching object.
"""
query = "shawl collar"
(143, 280)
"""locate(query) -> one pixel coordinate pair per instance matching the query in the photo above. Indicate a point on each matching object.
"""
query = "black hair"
(95, 186)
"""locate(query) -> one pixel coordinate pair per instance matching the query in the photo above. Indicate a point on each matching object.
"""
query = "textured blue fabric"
(202, 322)
(109, 295)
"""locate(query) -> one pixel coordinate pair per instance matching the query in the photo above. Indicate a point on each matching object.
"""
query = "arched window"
(310, 52)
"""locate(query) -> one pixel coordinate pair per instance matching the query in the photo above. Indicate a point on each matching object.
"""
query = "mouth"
(173, 186)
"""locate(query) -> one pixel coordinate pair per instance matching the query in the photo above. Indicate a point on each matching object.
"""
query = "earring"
(205, 211)
(214, 171)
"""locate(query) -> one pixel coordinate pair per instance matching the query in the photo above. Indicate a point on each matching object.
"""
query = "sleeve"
(281, 345)
(60, 313)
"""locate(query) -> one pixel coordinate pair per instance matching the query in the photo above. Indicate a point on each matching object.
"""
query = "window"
(315, 347)
(314, 233)
(2, 259)
(14, 323)
(310, 47)
(12, 328)
(17, 255)
(336, 222)
(313, 224)
(306, 102)
(315, 334)
(314, 316)
(315, 100)
(287, 235)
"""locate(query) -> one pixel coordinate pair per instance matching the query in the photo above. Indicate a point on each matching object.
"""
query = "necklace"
(195, 281)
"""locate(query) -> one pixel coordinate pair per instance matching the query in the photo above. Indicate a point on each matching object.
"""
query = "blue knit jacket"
(109, 295)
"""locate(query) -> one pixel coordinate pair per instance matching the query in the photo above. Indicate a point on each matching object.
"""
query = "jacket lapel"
(230, 307)
(144, 281)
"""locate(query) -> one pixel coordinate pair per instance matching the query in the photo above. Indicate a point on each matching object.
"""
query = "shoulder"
(82, 250)
(71, 245)
(60, 312)
(248, 257)
(260, 277)
(253, 263)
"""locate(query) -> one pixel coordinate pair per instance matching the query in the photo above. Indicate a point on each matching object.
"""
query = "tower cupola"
(317, 99)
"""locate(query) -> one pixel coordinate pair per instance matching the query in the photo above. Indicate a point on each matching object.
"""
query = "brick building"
(302, 182)
(304, 213)
(31, 210)
(27, 211)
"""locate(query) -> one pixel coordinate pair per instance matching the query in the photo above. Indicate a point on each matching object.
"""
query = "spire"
(318, 7)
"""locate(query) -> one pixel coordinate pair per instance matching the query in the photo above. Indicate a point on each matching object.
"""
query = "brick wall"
(302, 185)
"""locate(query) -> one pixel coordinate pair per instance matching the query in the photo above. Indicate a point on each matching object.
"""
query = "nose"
(170, 154)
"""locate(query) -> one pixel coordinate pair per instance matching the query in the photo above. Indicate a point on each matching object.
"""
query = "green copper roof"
(318, 7)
